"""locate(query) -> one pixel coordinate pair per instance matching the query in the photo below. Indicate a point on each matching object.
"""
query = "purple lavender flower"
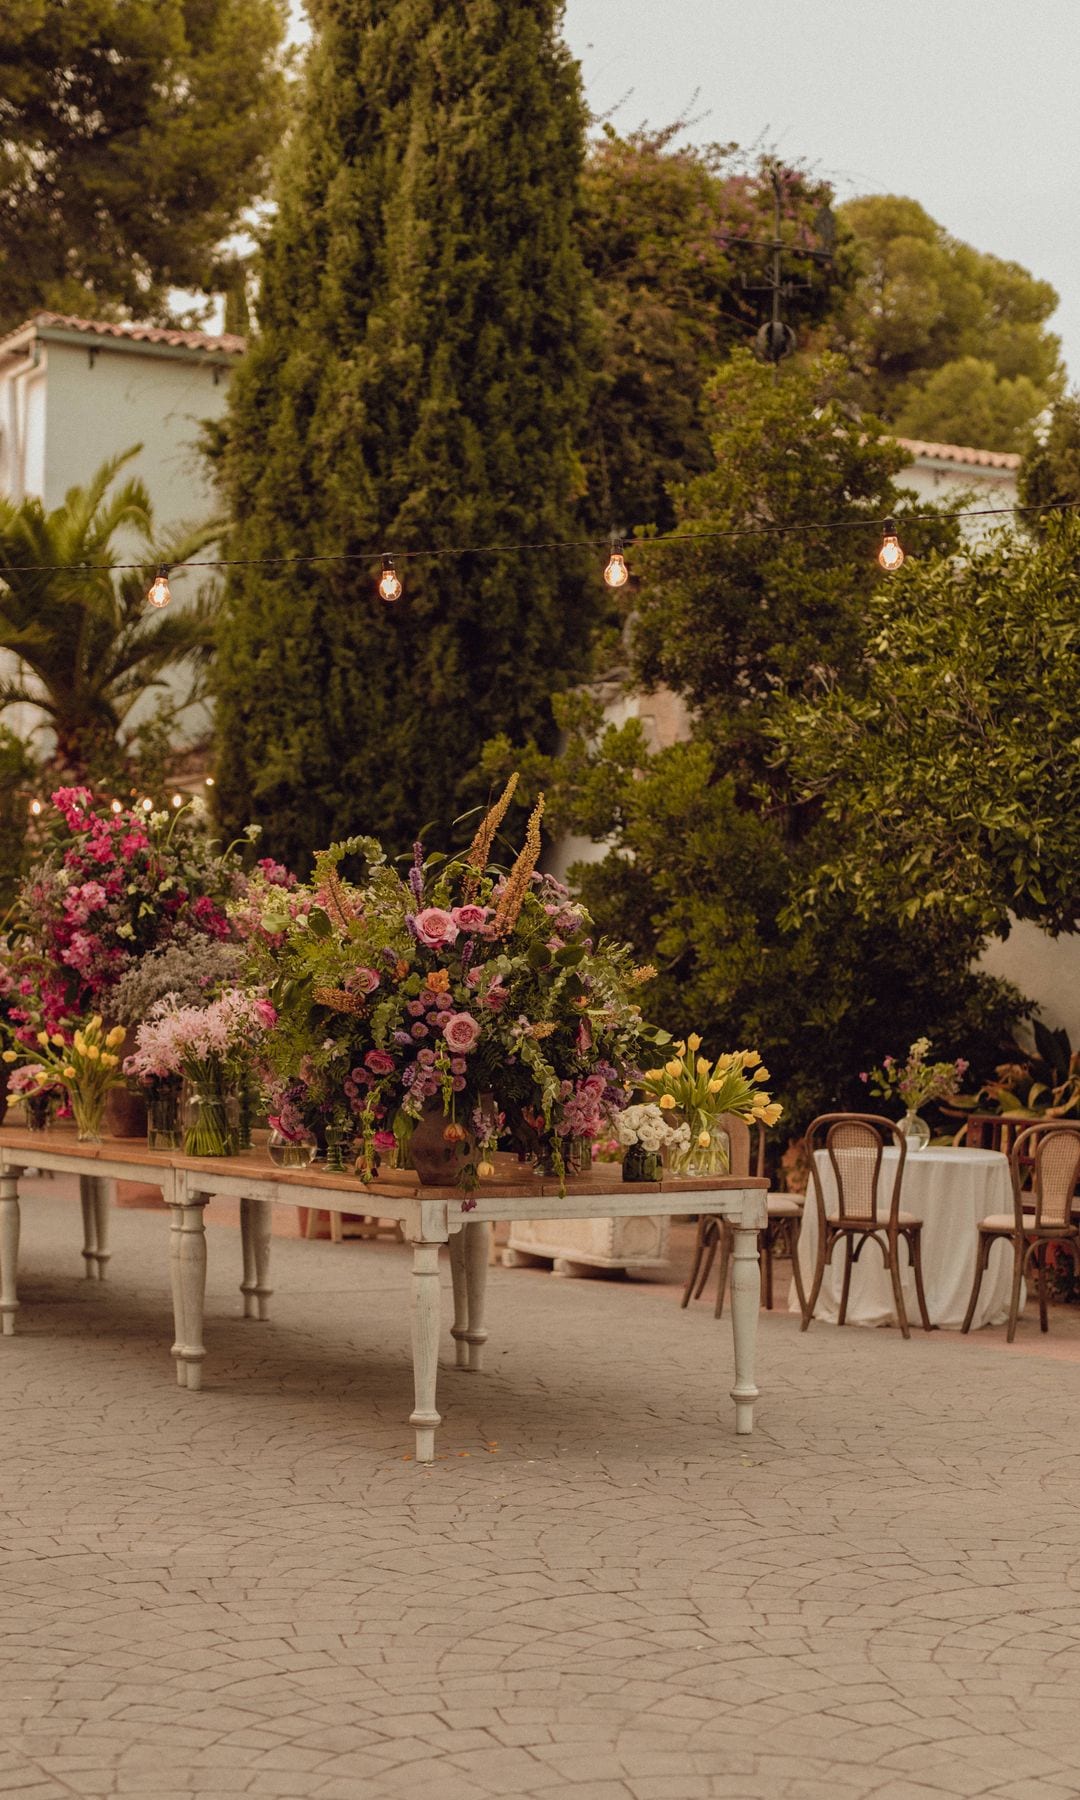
(416, 873)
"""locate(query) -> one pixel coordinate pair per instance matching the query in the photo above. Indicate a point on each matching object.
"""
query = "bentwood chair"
(778, 1238)
(1049, 1156)
(854, 1145)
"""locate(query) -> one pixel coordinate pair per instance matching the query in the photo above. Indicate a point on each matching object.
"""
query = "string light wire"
(800, 527)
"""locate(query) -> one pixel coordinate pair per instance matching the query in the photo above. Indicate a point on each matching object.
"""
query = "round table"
(950, 1189)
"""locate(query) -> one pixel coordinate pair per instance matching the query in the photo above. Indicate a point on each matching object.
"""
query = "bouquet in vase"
(699, 1091)
(212, 1048)
(83, 1060)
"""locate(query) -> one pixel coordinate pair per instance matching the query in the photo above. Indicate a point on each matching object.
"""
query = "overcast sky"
(970, 106)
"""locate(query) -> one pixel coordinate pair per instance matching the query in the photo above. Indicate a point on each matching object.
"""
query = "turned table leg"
(100, 1203)
(256, 1221)
(745, 1303)
(9, 1253)
(426, 1311)
(187, 1263)
(477, 1239)
(459, 1330)
(89, 1223)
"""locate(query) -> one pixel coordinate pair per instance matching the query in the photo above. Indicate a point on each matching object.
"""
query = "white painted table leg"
(100, 1202)
(745, 1304)
(187, 1254)
(459, 1330)
(262, 1219)
(89, 1222)
(426, 1310)
(9, 1253)
(247, 1252)
(477, 1256)
(176, 1220)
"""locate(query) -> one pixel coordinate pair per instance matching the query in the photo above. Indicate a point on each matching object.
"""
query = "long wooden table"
(430, 1217)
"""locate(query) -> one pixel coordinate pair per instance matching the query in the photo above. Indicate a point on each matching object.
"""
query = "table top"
(939, 1153)
(510, 1180)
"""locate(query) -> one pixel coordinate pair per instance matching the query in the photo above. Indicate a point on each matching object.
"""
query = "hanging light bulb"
(178, 800)
(616, 573)
(159, 594)
(209, 781)
(117, 806)
(35, 807)
(147, 805)
(891, 554)
(389, 585)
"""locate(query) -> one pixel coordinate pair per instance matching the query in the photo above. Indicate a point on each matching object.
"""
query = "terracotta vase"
(437, 1162)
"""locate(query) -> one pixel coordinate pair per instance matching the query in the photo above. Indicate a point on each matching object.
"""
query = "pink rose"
(384, 1140)
(363, 981)
(434, 928)
(470, 918)
(380, 1062)
(461, 1032)
(266, 1013)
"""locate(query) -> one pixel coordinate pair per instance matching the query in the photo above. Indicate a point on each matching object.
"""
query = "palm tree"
(88, 647)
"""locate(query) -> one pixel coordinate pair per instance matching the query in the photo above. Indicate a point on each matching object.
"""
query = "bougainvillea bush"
(483, 992)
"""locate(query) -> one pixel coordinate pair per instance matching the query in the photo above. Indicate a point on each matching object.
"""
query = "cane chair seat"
(904, 1221)
(784, 1206)
(1005, 1223)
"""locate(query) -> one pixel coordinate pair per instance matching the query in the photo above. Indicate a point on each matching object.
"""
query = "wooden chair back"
(854, 1144)
(1051, 1153)
(738, 1132)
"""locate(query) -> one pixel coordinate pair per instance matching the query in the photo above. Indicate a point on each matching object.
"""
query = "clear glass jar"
(206, 1123)
(639, 1164)
(163, 1131)
(38, 1109)
(916, 1131)
(291, 1150)
(88, 1111)
(338, 1147)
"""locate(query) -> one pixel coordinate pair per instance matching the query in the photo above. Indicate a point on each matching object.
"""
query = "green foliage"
(17, 771)
(418, 380)
(89, 648)
(708, 846)
(132, 138)
(925, 310)
(665, 232)
(950, 770)
(1050, 471)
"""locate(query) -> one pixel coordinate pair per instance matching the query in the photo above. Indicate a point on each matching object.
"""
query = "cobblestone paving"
(598, 1593)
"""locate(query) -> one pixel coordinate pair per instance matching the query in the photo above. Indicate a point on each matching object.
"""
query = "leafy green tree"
(132, 139)
(17, 772)
(950, 770)
(667, 231)
(418, 380)
(925, 310)
(707, 844)
(89, 648)
(1050, 470)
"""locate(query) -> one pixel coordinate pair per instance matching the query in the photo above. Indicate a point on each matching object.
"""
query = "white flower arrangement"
(646, 1125)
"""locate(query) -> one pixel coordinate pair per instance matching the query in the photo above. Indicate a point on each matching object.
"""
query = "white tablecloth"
(950, 1190)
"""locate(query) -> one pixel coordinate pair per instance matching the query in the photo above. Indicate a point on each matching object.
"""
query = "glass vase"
(88, 1111)
(206, 1123)
(291, 1150)
(38, 1111)
(337, 1143)
(916, 1131)
(163, 1116)
(639, 1164)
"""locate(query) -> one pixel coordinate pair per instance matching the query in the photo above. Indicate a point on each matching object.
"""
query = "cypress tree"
(418, 380)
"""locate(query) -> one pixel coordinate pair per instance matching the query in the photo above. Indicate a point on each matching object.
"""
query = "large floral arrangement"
(483, 993)
(109, 889)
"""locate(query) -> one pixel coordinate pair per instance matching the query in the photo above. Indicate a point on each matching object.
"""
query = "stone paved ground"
(598, 1593)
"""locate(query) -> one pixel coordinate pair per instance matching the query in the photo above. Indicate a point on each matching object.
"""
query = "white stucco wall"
(1046, 969)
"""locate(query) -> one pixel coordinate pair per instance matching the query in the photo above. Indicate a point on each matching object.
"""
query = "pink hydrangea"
(462, 1032)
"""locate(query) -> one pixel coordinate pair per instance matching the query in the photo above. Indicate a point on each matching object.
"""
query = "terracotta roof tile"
(962, 453)
(226, 342)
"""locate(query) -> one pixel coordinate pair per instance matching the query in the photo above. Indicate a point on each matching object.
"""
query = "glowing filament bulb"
(159, 594)
(616, 572)
(147, 805)
(178, 799)
(891, 554)
(117, 807)
(35, 807)
(389, 585)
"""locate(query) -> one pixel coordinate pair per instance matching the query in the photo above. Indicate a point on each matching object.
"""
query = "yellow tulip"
(43, 1039)
(681, 1046)
(93, 1052)
(654, 1074)
(485, 1168)
(772, 1112)
(704, 1140)
(761, 1074)
(80, 1043)
(674, 1068)
(10, 1056)
(69, 1073)
(95, 1023)
(57, 1038)
(667, 1101)
(693, 1042)
(116, 1036)
(703, 1065)
(715, 1085)
(751, 1058)
(108, 1060)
